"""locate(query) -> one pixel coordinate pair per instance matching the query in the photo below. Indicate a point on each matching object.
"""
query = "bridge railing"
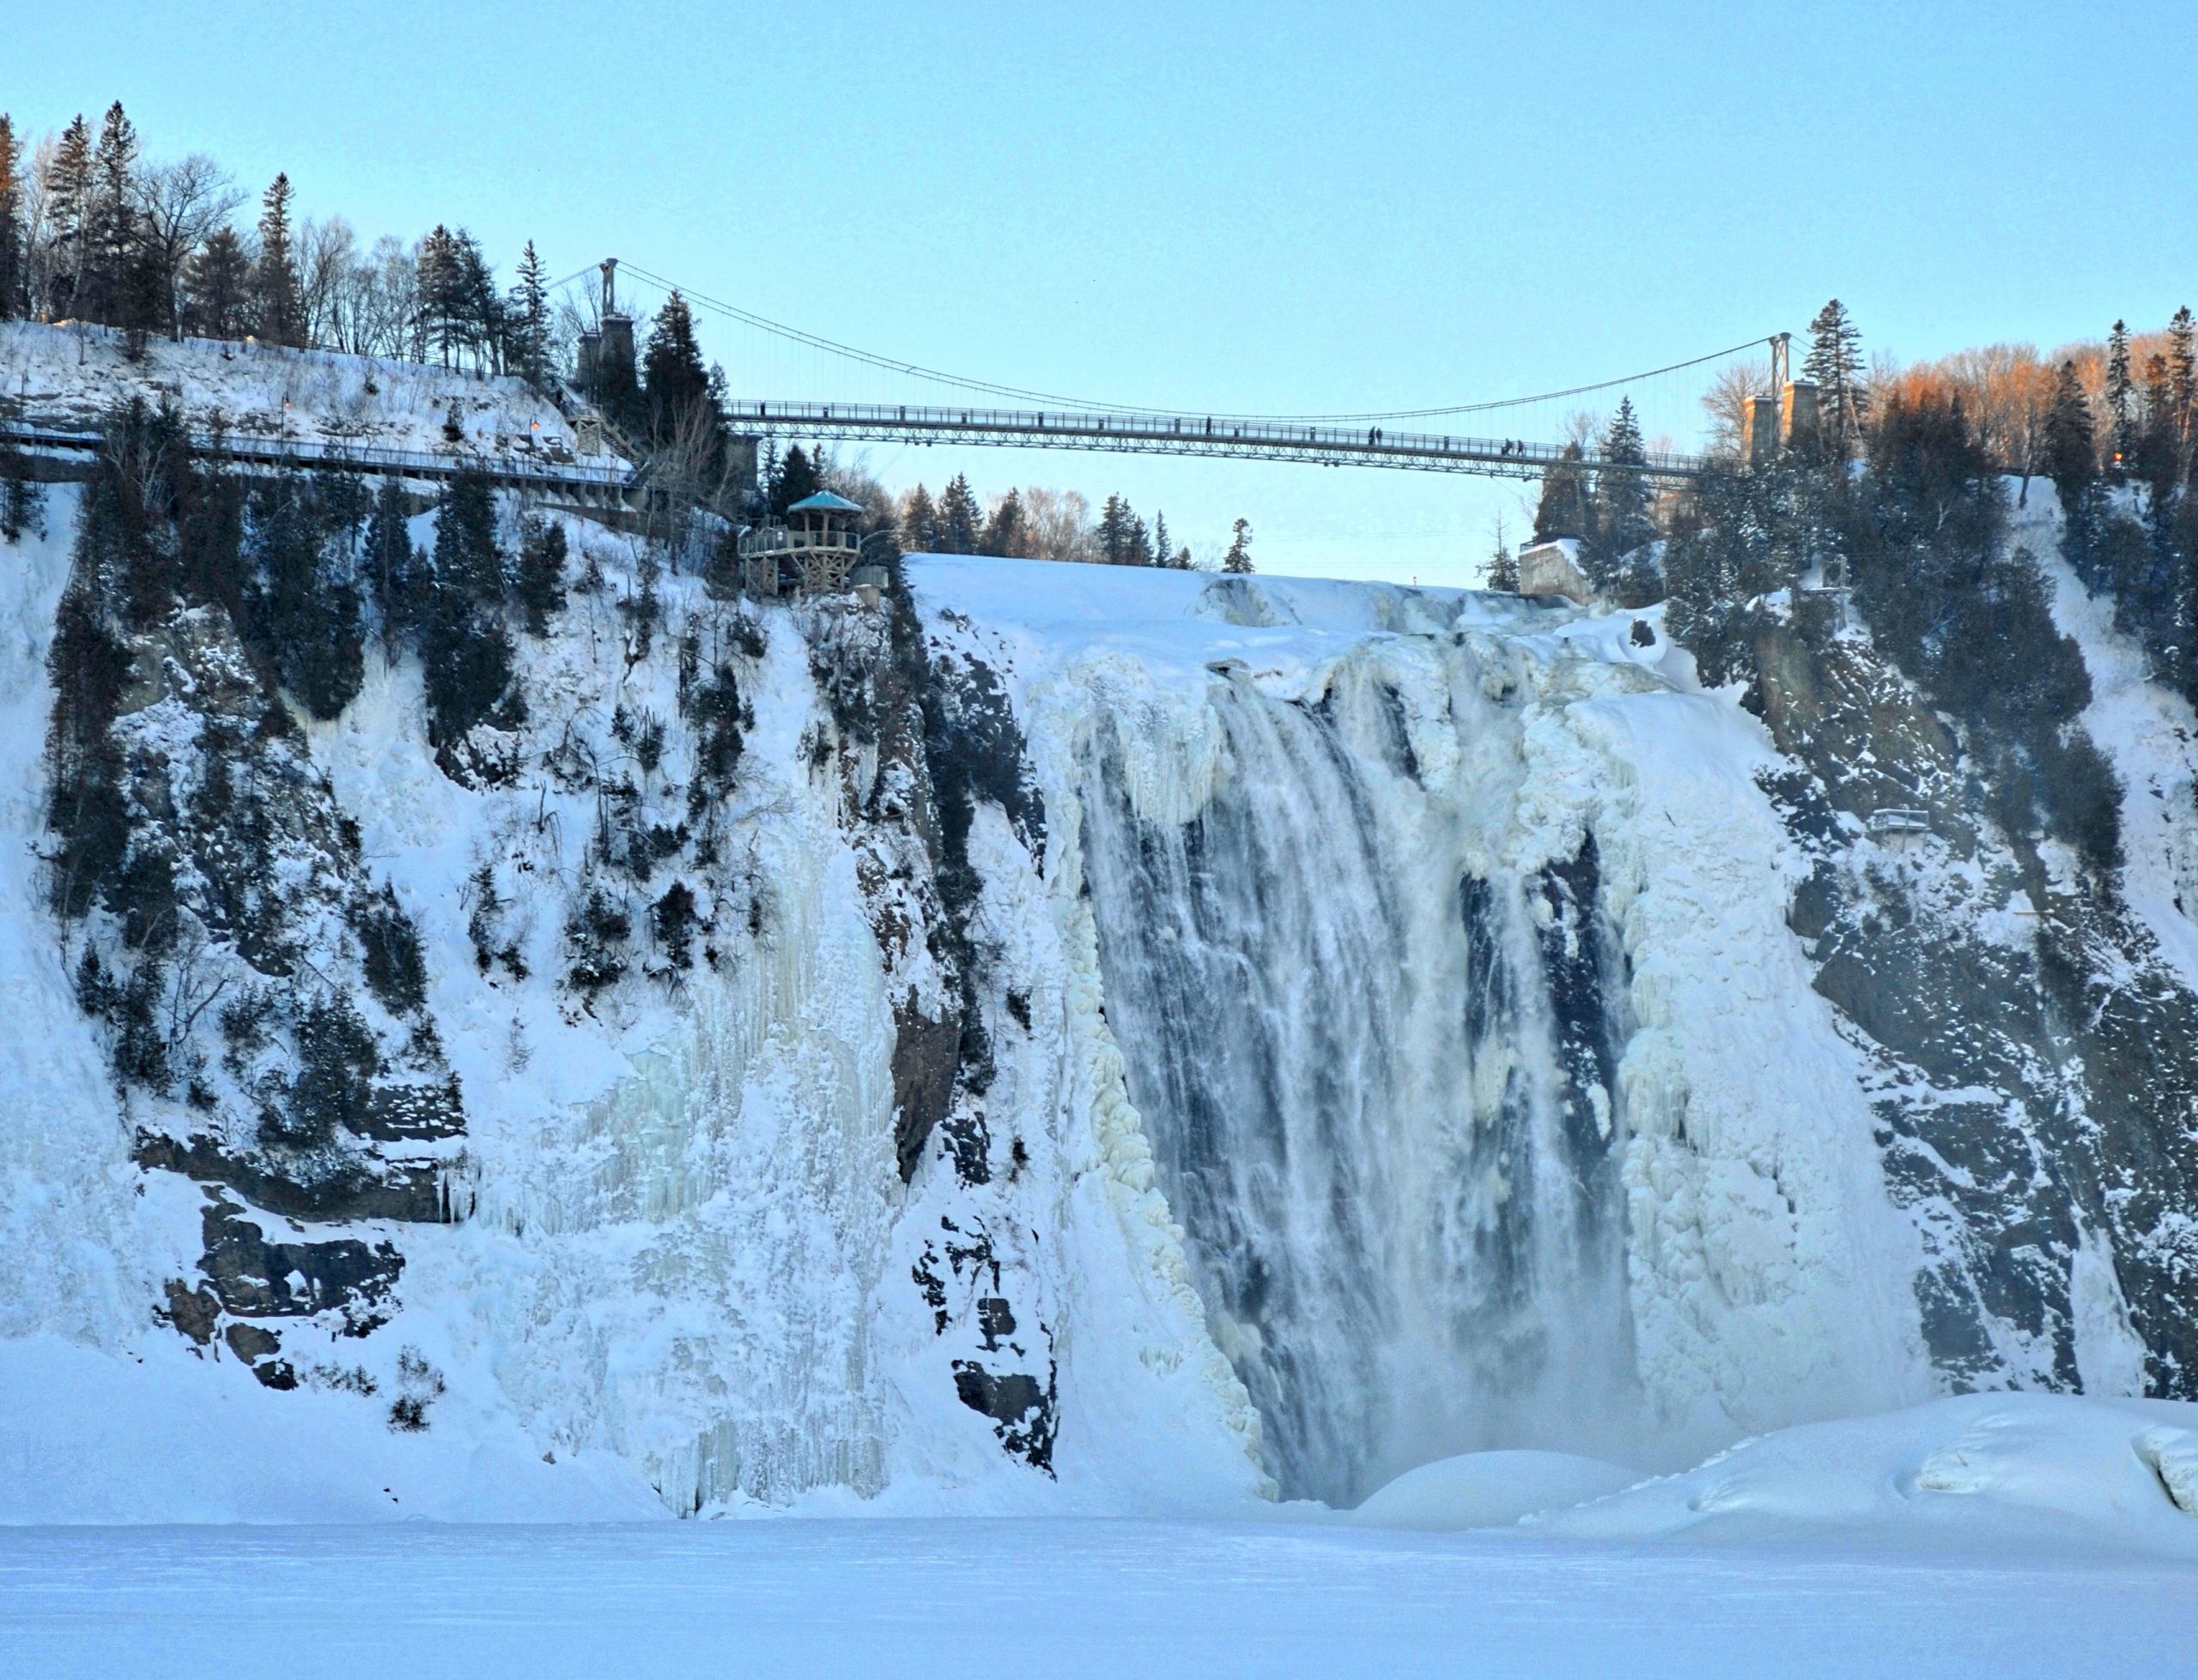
(512, 467)
(1216, 433)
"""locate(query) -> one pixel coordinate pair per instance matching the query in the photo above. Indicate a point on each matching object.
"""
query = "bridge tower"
(1775, 419)
(606, 354)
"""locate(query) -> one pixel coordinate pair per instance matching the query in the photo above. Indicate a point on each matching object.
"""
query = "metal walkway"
(1162, 434)
(509, 470)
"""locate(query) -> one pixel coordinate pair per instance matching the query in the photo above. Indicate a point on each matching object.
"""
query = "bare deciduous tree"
(327, 258)
(183, 203)
(1059, 525)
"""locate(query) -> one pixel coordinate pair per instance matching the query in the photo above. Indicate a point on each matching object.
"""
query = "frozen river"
(1068, 1598)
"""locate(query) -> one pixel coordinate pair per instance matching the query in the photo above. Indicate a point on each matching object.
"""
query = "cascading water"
(1375, 1067)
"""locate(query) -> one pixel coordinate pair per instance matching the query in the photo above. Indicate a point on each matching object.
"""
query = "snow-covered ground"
(1082, 1599)
(70, 377)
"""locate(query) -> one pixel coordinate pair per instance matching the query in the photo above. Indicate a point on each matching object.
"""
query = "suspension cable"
(1056, 400)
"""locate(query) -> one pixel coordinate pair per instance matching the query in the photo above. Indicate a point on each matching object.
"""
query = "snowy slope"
(68, 378)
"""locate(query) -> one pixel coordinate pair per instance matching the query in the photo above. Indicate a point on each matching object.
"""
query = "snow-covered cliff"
(1065, 1037)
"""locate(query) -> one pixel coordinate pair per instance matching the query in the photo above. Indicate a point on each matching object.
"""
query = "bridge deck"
(1170, 434)
(509, 470)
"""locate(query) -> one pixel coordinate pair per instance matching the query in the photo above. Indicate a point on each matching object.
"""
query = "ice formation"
(1393, 1040)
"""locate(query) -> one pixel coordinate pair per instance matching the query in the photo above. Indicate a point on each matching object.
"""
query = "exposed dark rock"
(2029, 1091)
(255, 1278)
(1021, 1407)
(194, 1312)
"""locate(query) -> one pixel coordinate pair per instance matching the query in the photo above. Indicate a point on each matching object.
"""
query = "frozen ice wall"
(1444, 943)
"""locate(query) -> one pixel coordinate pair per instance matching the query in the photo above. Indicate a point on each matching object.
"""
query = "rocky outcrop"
(2035, 1060)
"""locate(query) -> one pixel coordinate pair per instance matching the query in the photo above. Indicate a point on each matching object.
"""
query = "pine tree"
(541, 583)
(1162, 552)
(675, 383)
(2182, 382)
(1006, 532)
(300, 613)
(795, 479)
(530, 319)
(1835, 364)
(22, 499)
(67, 202)
(274, 279)
(391, 566)
(960, 523)
(918, 523)
(1622, 521)
(14, 300)
(2155, 455)
(1181, 560)
(1119, 529)
(1563, 509)
(217, 287)
(2120, 415)
(2071, 448)
(111, 241)
(459, 308)
(1503, 566)
(1238, 561)
(468, 563)
(475, 309)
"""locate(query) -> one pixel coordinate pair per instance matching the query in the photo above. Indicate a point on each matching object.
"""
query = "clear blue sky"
(1293, 208)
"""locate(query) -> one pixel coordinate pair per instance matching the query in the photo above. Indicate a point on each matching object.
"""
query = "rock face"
(1082, 1035)
(2031, 1051)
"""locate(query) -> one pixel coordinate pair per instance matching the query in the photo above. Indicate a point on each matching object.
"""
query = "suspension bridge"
(955, 410)
(958, 410)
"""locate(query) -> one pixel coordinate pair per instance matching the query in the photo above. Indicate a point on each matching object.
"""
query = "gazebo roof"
(825, 502)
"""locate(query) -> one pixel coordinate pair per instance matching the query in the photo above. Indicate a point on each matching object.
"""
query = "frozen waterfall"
(1375, 1066)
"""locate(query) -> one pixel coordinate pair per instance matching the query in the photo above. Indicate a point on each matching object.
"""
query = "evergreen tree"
(110, 240)
(468, 664)
(918, 523)
(1622, 521)
(794, 479)
(1162, 552)
(1503, 567)
(2071, 447)
(468, 562)
(541, 583)
(2155, 455)
(1238, 561)
(22, 499)
(960, 523)
(530, 319)
(479, 310)
(68, 204)
(1006, 532)
(458, 309)
(1181, 560)
(1835, 364)
(675, 383)
(217, 288)
(1563, 509)
(2182, 383)
(301, 612)
(391, 567)
(274, 279)
(2121, 411)
(14, 298)
(1119, 532)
